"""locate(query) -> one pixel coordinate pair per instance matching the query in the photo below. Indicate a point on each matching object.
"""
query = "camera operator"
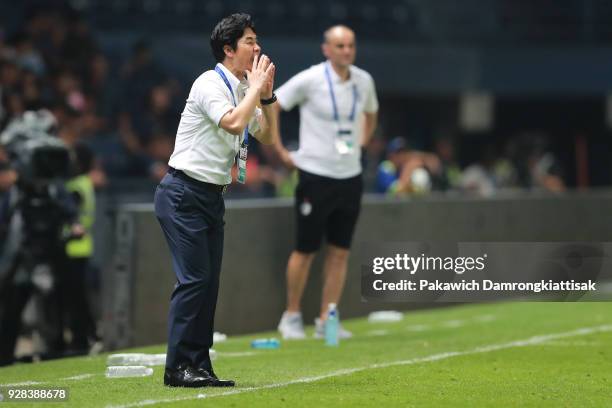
(37, 210)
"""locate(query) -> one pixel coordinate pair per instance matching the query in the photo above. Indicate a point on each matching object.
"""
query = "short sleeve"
(294, 91)
(371, 99)
(212, 98)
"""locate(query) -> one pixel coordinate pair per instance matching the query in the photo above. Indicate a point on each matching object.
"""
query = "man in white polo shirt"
(338, 114)
(219, 116)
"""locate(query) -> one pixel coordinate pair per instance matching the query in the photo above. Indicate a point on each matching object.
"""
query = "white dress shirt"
(309, 89)
(203, 150)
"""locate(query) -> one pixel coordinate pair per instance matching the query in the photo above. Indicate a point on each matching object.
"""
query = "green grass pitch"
(504, 354)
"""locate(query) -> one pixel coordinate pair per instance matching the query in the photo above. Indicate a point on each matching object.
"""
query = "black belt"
(213, 187)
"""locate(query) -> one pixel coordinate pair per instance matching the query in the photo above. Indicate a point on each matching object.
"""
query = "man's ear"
(229, 51)
(324, 49)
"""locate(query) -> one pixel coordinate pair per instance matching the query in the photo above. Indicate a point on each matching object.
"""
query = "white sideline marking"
(417, 327)
(237, 353)
(26, 383)
(572, 343)
(536, 340)
(485, 318)
(19, 384)
(78, 377)
(377, 333)
(453, 323)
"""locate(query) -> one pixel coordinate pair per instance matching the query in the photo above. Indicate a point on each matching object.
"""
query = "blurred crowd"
(127, 112)
(524, 161)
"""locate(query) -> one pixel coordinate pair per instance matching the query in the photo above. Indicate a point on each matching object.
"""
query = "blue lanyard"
(333, 97)
(229, 86)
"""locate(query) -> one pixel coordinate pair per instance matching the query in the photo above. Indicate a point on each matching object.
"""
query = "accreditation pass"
(32, 394)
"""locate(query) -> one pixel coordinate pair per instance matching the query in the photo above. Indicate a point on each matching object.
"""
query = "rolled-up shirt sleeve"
(294, 91)
(213, 99)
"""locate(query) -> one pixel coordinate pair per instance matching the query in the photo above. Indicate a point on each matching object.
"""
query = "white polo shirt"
(203, 150)
(309, 89)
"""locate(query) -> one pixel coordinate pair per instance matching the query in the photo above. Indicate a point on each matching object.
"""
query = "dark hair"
(227, 32)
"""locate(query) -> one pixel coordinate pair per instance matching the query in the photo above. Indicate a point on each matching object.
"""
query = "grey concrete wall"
(260, 235)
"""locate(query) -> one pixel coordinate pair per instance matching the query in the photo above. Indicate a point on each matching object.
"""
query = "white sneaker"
(291, 326)
(320, 330)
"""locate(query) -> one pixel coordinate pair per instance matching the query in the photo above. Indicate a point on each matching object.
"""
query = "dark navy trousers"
(191, 216)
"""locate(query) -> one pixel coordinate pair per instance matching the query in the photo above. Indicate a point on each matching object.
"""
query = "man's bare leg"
(334, 276)
(298, 269)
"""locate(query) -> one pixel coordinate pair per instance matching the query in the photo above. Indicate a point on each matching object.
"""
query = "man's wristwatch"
(268, 101)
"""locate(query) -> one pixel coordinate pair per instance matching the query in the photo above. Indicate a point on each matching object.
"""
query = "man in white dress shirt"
(219, 117)
(338, 114)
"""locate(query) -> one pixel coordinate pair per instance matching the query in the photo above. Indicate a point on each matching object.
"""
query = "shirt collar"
(230, 76)
(335, 77)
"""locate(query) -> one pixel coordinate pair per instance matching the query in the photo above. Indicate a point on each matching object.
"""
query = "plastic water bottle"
(332, 325)
(154, 359)
(136, 359)
(128, 371)
(272, 343)
(125, 359)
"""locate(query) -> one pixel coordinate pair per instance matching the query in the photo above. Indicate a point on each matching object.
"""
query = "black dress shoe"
(216, 382)
(186, 376)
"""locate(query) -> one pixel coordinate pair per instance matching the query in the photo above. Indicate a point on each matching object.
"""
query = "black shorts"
(326, 207)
